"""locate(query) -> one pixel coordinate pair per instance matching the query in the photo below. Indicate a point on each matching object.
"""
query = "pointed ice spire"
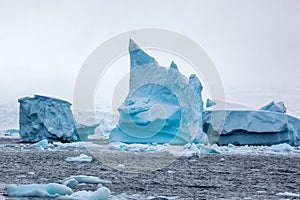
(138, 57)
(173, 66)
(197, 87)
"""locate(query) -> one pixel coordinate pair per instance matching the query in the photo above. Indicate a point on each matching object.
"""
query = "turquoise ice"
(163, 106)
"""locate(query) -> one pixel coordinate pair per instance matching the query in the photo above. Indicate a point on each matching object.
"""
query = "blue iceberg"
(162, 106)
(251, 127)
(46, 118)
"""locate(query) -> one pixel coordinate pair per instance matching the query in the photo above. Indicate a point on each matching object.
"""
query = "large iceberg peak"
(138, 57)
(162, 106)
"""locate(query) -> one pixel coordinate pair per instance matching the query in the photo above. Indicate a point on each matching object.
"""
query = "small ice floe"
(261, 191)
(281, 148)
(21, 176)
(72, 181)
(42, 143)
(80, 158)
(102, 193)
(38, 190)
(288, 194)
(120, 166)
(76, 145)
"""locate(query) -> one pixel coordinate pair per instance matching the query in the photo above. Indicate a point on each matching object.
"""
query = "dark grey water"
(210, 177)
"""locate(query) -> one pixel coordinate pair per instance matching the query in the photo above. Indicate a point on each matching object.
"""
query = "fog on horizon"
(254, 44)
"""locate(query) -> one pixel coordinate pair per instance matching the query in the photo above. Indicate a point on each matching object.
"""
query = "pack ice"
(163, 106)
(48, 118)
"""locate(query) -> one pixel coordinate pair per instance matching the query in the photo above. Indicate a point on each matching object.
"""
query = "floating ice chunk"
(21, 176)
(86, 179)
(72, 182)
(38, 190)
(102, 193)
(79, 145)
(199, 149)
(46, 118)
(275, 107)
(80, 158)
(120, 166)
(281, 148)
(43, 143)
(288, 194)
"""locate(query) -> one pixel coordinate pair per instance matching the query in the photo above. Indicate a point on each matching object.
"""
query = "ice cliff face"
(251, 127)
(162, 106)
(46, 118)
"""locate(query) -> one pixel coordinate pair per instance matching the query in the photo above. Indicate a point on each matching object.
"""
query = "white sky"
(44, 43)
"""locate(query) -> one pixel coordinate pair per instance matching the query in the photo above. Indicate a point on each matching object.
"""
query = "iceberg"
(251, 127)
(163, 106)
(48, 118)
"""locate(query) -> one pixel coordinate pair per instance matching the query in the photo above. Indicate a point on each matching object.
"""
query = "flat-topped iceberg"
(162, 106)
(46, 118)
(267, 126)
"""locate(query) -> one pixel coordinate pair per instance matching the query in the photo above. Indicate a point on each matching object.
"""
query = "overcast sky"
(43, 43)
